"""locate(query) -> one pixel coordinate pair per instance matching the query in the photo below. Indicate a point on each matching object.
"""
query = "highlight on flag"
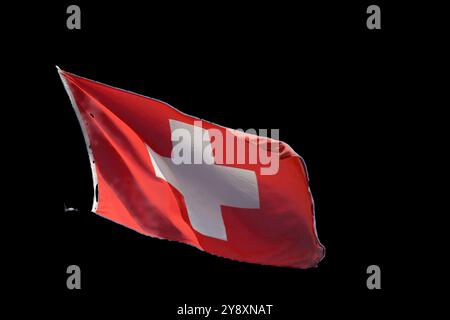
(169, 175)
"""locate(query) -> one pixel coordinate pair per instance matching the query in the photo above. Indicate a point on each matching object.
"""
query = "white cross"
(205, 187)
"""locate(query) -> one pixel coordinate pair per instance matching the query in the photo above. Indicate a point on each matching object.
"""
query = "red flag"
(223, 201)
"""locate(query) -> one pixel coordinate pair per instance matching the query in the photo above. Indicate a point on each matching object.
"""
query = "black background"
(332, 87)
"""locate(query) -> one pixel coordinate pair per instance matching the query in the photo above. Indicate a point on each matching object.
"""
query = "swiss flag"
(235, 209)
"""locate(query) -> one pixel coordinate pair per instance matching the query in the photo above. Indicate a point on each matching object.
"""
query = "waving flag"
(173, 176)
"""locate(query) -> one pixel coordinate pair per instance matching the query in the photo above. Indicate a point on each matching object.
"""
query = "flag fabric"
(233, 209)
